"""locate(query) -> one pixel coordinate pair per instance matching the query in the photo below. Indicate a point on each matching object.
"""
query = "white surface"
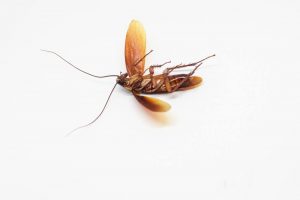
(236, 137)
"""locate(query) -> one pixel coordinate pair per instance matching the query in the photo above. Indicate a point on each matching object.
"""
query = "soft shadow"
(158, 118)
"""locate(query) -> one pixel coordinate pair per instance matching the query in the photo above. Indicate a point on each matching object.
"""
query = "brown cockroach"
(139, 80)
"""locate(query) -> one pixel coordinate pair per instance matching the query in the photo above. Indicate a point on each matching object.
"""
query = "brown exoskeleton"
(139, 80)
(162, 83)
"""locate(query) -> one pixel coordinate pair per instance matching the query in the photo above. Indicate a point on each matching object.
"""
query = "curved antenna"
(77, 67)
(83, 126)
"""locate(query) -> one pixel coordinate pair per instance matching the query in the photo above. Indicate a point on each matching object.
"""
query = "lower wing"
(153, 104)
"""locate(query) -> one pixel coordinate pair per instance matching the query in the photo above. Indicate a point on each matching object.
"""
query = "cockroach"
(139, 80)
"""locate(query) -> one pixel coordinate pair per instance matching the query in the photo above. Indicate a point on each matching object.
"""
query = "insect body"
(139, 80)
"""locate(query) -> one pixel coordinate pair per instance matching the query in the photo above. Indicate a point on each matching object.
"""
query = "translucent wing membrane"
(153, 104)
(135, 48)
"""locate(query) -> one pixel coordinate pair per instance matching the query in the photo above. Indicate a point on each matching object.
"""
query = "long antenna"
(80, 127)
(77, 67)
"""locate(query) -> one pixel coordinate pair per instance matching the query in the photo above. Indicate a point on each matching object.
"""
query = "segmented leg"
(170, 69)
(165, 81)
(151, 73)
(142, 58)
(188, 65)
(151, 68)
(187, 76)
(167, 72)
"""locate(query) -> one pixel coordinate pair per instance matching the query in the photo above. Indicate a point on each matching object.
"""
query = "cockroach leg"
(142, 58)
(151, 68)
(165, 81)
(151, 73)
(188, 65)
(186, 78)
(169, 70)
(157, 86)
(167, 84)
(140, 87)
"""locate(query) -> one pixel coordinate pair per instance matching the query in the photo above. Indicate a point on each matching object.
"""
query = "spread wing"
(153, 104)
(135, 48)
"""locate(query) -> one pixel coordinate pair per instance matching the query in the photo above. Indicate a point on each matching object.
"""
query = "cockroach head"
(121, 78)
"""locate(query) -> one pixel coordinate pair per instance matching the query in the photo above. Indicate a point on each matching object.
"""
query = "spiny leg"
(159, 85)
(165, 79)
(188, 65)
(187, 76)
(166, 73)
(142, 58)
(151, 68)
(140, 88)
(151, 73)
(170, 69)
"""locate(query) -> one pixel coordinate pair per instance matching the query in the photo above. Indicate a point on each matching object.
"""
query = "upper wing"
(135, 48)
(153, 104)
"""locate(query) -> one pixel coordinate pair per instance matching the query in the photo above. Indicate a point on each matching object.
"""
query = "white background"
(235, 137)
